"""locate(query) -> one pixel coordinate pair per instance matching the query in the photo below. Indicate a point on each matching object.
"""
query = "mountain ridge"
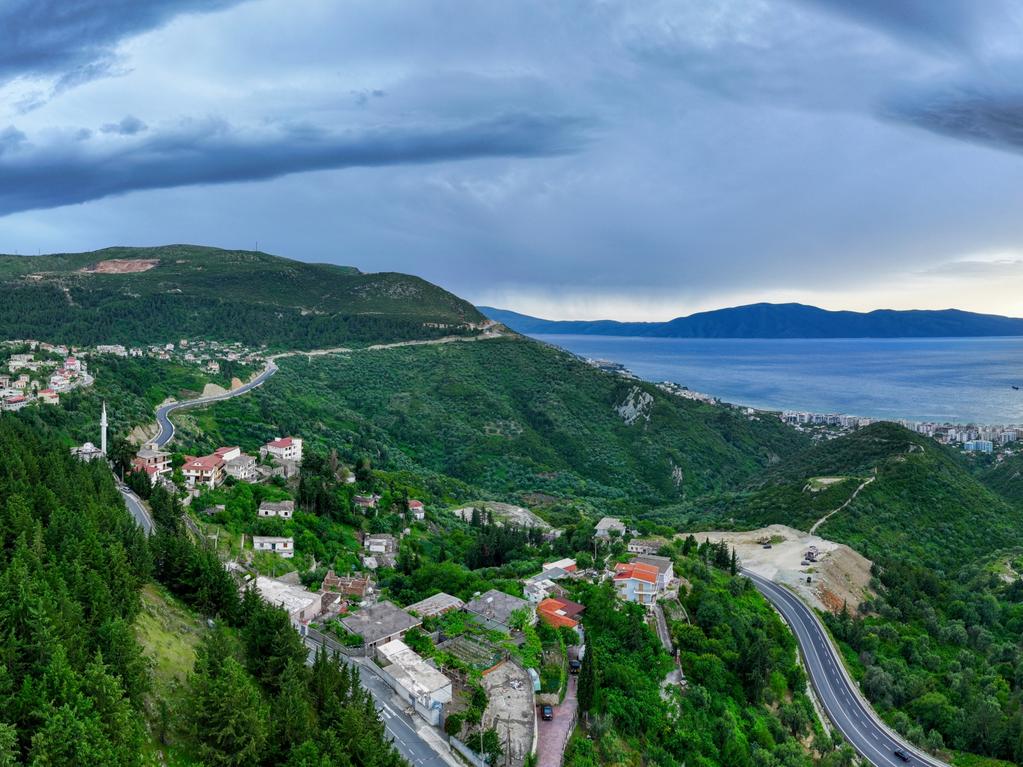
(137, 295)
(792, 320)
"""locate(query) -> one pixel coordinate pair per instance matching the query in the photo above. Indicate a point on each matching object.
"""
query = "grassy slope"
(169, 634)
(234, 295)
(510, 416)
(924, 502)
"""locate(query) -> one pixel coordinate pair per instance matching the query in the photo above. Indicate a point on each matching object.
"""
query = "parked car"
(547, 712)
(574, 666)
(901, 754)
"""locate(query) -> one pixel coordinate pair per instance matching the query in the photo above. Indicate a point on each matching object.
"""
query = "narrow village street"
(553, 735)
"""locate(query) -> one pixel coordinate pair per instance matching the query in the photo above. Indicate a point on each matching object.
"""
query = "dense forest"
(512, 417)
(74, 683)
(102, 316)
(71, 565)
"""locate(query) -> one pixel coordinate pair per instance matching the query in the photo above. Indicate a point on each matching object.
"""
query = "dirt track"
(841, 576)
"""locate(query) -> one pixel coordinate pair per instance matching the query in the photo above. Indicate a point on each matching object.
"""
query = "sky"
(633, 159)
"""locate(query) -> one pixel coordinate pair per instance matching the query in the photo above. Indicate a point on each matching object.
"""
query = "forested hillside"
(1005, 478)
(71, 564)
(937, 650)
(75, 686)
(510, 416)
(923, 502)
(140, 295)
(745, 701)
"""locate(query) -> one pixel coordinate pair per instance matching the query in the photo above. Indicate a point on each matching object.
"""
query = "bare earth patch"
(841, 576)
(121, 266)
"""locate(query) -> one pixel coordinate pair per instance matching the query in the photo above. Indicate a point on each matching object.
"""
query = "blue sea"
(957, 380)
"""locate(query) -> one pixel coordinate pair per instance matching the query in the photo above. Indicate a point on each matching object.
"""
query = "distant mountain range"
(779, 321)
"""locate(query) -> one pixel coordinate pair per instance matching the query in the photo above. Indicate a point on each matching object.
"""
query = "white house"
(301, 605)
(283, 449)
(636, 582)
(205, 470)
(282, 547)
(238, 465)
(608, 525)
(282, 509)
(417, 509)
(414, 680)
(665, 568)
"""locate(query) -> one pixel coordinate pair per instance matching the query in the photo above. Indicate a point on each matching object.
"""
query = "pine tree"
(587, 686)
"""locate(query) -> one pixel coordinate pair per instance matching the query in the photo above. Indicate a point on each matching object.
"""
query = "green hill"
(1005, 478)
(924, 504)
(140, 295)
(510, 416)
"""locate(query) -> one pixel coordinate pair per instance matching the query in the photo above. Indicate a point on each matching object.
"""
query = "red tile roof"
(204, 463)
(415, 504)
(283, 442)
(637, 570)
(555, 613)
(222, 450)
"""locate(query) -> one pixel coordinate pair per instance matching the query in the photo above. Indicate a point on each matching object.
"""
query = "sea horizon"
(959, 380)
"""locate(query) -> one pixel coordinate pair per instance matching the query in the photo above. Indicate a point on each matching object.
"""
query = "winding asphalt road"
(400, 728)
(842, 702)
(138, 510)
(165, 431)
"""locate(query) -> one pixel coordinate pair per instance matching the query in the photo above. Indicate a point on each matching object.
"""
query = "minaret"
(103, 430)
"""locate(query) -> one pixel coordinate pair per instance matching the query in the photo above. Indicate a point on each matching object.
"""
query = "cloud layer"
(570, 156)
(77, 168)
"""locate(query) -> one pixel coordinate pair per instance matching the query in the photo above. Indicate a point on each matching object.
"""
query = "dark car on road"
(574, 666)
(547, 713)
(901, 754)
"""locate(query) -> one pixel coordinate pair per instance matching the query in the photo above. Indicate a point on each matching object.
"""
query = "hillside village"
(498, 660)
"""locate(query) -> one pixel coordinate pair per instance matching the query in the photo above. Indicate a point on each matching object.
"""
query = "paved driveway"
(553, 735)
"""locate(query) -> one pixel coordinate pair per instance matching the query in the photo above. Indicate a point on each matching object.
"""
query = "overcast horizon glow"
(569, 159)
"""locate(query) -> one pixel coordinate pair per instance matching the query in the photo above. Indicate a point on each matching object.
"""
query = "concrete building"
(495, 608)
(301, 605)
(645, 545)
(349, 585)
(242, 467)
(282, 509)
(568, 565)
(49, 397)
(636, 582)
(204, 470)
(283, 449)
(607, 526)
(558, 612)
(417, 510)
(978, 446)
(665, 568)
(544, 584)
(281, 546)
(381, 543)
(438, 604)
(379, 624)
(154, 463)
(15, 402)
(414, 680)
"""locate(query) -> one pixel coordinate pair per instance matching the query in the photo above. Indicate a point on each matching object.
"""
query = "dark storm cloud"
(213, 152)
(973, 112)
(951, 24)
(128, 126)
(74, 39)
